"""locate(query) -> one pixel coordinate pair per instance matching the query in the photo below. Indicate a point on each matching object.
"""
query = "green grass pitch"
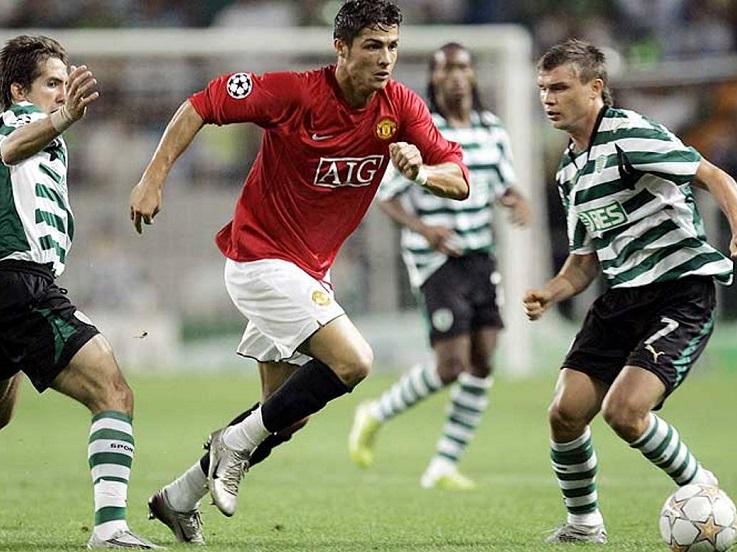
(308, 496)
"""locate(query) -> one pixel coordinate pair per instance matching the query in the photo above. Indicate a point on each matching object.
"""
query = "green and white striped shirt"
(36, 223)
(628, 199)
(487, 155)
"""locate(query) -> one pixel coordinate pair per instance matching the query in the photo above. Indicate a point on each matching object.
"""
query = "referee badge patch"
(239, 85)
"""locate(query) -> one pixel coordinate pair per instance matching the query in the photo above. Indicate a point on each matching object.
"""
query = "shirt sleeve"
(658, 151)
(18, 117)
(267, 100)
(419, 129)
(392, 185)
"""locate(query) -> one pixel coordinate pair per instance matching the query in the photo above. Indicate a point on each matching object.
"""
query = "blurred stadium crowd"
(641, 37)
(651, 29)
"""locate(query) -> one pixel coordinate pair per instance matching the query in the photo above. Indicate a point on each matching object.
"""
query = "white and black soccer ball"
(698, 518)
(239, 85)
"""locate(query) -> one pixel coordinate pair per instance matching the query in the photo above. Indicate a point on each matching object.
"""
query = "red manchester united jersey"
(320, 161)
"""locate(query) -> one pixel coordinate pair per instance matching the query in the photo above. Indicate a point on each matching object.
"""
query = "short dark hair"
(356, 15)
(588, 59)
(20, 61)
(432, 97)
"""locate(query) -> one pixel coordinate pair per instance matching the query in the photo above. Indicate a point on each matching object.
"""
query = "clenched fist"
(406, 158)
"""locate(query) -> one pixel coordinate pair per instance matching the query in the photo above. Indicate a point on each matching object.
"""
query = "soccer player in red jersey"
(329, 135)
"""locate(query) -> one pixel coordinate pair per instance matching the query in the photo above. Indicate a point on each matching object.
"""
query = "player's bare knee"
(481, 370)
(355, 369)
(564, 419)
(450, 368)
(116, 395)
(624, 418)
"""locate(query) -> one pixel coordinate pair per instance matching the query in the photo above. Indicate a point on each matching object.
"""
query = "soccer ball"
(698, 518)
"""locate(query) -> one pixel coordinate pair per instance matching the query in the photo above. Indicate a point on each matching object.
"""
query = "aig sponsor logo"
(338, 172)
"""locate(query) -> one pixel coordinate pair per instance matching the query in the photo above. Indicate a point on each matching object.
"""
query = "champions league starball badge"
(239, 85)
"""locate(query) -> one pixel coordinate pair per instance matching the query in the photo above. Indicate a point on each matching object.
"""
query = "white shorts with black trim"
(283, 304)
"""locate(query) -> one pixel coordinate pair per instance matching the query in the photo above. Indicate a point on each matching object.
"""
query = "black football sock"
(306, 391)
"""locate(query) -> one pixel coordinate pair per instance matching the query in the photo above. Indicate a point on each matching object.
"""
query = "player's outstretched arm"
(145, 198)
(444, 180)
(29, 139)
(724, 189)
(577, 273)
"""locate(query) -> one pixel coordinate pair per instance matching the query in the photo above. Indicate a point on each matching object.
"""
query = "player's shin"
(661, 444)
(414, 386)
(575, 466)
(110, 453)
(468, 402)
(306, 391)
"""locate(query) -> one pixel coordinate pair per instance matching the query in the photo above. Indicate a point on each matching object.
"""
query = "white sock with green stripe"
(468, 401)
(661, 444)
(575, 466)
(110, 454)
(417, 384)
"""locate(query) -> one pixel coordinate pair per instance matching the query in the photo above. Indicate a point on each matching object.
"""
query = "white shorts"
(283, 304)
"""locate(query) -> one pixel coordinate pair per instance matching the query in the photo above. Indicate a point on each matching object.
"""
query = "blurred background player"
(448, 249)
(625, 183)
(41, 332)
(329, 136)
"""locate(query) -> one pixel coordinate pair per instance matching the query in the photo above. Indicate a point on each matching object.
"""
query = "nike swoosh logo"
(318, 138)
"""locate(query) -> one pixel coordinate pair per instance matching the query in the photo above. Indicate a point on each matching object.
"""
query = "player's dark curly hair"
(20, 61)
(589, 60)
(432, 98)
(356, 15)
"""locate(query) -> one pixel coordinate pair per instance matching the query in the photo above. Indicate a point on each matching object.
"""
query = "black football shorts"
(662, 327)
(461, 296)
(40, 329)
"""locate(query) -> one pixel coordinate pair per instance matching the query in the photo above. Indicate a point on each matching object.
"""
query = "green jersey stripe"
(51, 219)
(636, 245)
(49, 193)
(447, 210)
(48, 243)
(49, 171)
(694, 264)
(638, 200)
(653, 259)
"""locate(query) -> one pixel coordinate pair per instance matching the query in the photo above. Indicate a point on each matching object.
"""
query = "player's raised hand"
(536, 302)
(145, 204)
(406, 158)
(80, 91)
(733, 247)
